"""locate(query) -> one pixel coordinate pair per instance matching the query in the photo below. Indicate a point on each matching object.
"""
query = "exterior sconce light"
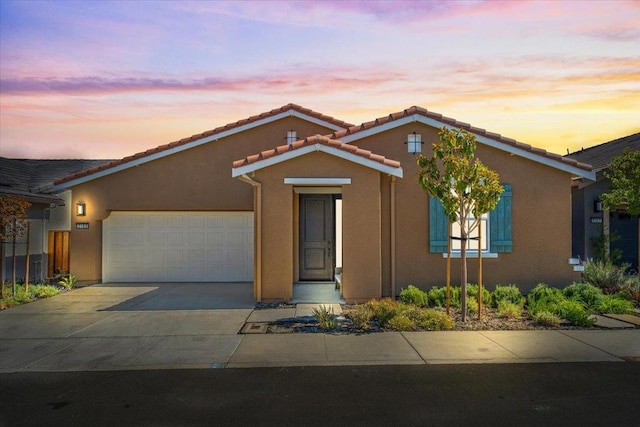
(414, 143)
(597, 206)
(292, 137)
(81, 209)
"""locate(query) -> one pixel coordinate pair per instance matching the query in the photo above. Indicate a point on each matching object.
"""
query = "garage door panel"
(178, 246)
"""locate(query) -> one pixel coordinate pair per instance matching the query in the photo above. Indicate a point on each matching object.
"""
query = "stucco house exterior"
(290, 195)
(590, 220)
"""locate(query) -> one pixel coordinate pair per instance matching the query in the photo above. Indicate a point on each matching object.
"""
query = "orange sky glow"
(109, 79)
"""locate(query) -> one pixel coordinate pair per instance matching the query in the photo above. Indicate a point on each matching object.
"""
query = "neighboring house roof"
(203, 138)
(32, 178)
(600, 155)
(312, 144)
(422, 115)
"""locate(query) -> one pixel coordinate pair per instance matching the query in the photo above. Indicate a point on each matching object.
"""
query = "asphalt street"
(549, 394)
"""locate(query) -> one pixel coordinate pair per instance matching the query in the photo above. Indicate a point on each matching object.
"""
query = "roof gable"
(429, 118)
(289, 110)
(312, 144)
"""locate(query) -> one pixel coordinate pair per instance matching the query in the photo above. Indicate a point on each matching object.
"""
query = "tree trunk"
(463, 291)
(26, 262)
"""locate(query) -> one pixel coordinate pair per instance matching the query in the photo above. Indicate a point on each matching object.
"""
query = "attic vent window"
(292, 136)
(414, 143)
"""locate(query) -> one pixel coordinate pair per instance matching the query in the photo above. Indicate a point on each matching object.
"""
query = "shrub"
(546, 318)
(433, 320)
(45, 291)
(361, 316)
(472, 305)
(414, 296)
(606, 276)
(472, 293)
(326, 319)
(575, 313)
(614, 304)
(67, 282)
(384, 310)
(544, 298)
(585, 293)
(438, 296)
(632, 289)
(507, 293)
(509, 310)
(400, 322)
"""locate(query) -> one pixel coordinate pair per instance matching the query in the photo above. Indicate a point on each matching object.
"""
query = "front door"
(316, 235)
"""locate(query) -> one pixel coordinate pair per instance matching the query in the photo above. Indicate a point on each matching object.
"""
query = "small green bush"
(438, 296)
(544, 298)
(632, 289)
(614, 304)
(546, 318)
(433, 320)
(67, 282)
(472, 305)
(507, 293)
(384, 310)
(605, 275)
(400, 322)
(585, 293)
(575, 313)
(472, 293)
(325, 317)
(361, 316)
(509, 310)
(415, 296)
(45, 291)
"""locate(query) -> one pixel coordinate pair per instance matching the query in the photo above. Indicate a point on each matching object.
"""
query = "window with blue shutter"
(500, 223)
(438, 226)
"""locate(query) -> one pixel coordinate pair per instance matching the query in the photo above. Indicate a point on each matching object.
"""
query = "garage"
(177, 247)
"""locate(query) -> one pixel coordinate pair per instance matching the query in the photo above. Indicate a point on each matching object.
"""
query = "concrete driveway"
(126, 326)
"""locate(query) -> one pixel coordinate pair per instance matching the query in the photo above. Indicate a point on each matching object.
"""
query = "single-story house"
(290, 195)
(590, 220)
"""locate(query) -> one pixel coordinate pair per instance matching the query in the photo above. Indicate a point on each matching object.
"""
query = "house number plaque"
(82, 225)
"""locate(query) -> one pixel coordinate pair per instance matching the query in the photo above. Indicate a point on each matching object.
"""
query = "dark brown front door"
(58, 253)
(316, 237)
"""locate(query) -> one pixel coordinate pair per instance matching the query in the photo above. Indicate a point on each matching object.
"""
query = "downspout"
(393, 236)
(257, 204)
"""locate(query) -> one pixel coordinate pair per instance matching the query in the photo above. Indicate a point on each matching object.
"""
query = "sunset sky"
(99, 79)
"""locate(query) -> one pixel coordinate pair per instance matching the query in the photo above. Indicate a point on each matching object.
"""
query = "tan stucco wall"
(195, 179)
(541, 220)
(360, 219)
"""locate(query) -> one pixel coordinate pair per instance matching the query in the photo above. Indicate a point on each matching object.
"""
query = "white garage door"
(177, 247)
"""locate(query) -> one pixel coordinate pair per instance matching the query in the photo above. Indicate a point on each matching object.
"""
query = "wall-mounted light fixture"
(597, 205)
(292, 136)
(414, 143)
(81, 208)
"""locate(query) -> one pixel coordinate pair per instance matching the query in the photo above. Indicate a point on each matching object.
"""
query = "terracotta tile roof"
(317, 139)
(184, 141)
(453, 122)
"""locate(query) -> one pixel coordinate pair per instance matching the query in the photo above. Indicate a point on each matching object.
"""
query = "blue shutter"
(438, 226)
(500, 223)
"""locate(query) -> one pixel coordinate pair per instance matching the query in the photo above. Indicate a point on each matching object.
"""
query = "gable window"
(496, 229)
(292, 136)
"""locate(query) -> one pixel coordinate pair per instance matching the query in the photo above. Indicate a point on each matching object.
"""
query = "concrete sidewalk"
(125, 328)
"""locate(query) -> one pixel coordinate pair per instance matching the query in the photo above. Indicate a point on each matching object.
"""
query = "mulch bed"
(489, 322)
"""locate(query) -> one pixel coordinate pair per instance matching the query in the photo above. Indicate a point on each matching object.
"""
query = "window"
(472, 243)
(291, 137)
(496, 231)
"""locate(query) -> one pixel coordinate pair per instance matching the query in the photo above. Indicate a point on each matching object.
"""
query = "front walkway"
(173, 326)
